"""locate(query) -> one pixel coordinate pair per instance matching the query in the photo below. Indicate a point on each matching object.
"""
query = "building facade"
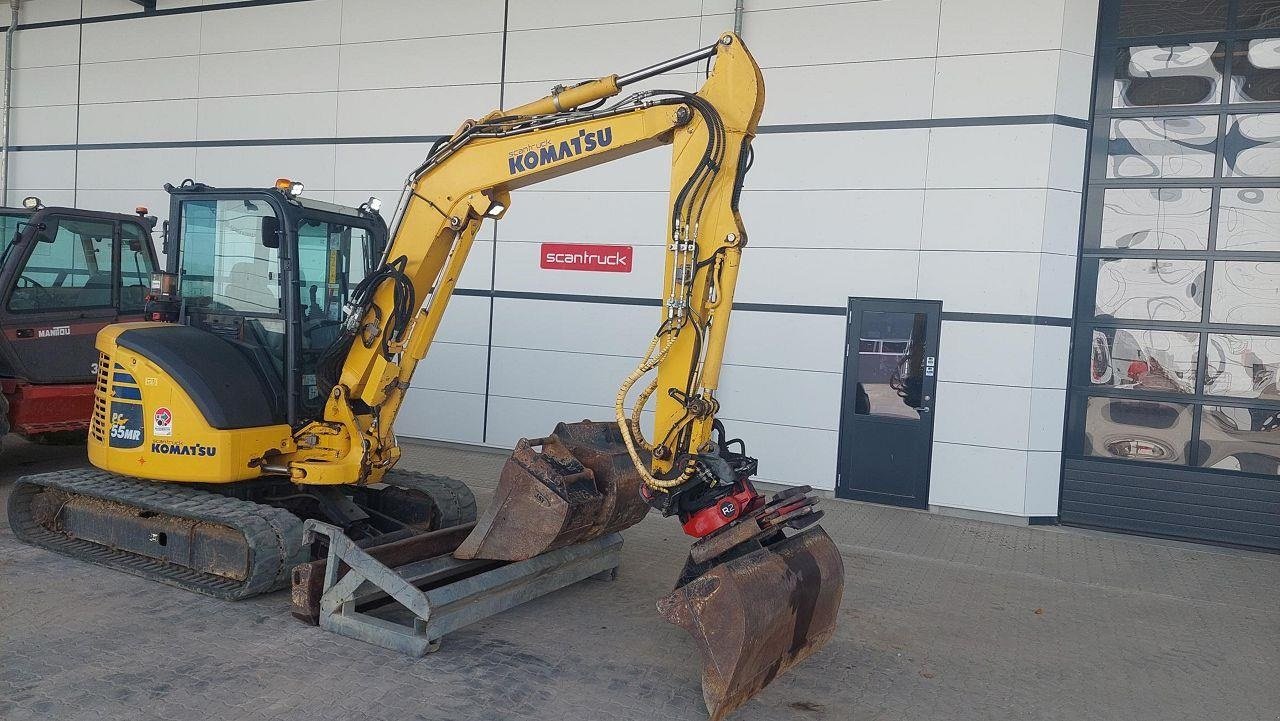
(1014, 258)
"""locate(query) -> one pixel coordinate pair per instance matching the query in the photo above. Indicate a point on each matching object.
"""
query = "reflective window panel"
(1253, 14)
(1156, 218)
(1243, 366)
(1255, 71)
(1165, 17)
(1245, 292)
(1137, 430)
(1174, 147)
(1251, 146)
(1249, 219)
(1155, 75)
(890, 364)
(1147, 289)
(1240, 439)
(1155, 360)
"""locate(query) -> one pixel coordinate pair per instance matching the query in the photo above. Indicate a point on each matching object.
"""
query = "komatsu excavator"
(300, 326)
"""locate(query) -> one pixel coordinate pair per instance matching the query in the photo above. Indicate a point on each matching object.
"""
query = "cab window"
(69, 267)
(332, 260)
(135, 267)
(230, 256)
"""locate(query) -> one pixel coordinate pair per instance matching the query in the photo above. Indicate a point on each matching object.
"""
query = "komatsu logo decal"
(549, 151)
(183, 449)
(126, 425)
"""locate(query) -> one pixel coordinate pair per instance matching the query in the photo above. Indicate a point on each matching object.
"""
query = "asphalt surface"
(943, 618)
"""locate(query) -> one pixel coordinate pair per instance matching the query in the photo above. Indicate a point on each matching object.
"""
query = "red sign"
(586, 256)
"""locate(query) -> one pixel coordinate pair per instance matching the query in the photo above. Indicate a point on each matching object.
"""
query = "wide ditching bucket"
(575, 485)
(759, 614)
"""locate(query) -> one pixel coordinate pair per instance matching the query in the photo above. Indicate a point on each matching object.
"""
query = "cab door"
(60, 290)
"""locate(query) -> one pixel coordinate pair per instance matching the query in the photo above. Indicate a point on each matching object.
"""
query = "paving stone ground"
(943, 618)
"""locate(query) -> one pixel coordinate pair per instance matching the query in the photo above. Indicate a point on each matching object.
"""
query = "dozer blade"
(572, 486)
(759, 614)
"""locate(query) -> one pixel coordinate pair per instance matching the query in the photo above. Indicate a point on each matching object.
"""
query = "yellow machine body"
(145, 424)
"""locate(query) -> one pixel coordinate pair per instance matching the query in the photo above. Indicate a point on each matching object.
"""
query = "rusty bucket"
(572, 486)
(759, 614)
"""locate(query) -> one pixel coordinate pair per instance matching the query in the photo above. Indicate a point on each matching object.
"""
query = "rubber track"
(274, 536)
(453, 499)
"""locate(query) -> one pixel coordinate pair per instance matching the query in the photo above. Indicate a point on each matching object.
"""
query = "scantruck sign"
(586, 256)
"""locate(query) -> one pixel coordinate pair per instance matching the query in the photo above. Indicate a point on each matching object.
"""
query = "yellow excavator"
(300, 324)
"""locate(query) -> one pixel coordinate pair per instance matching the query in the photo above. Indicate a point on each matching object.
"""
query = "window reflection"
(1137, 430)
(1156, 218)
(1251, 146)
(1249, 219)
(1240, 439)
(891, 364)
(1176, 147)
(1243, 366)
(1154, 75)
(1165, 17)
(1255, 71)
(1246, 292)
(1148, 289)
(1251, 14)
(1157, 360)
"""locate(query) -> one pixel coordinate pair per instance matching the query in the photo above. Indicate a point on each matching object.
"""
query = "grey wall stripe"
(149, 14)
(1001, 318)
(391, 139)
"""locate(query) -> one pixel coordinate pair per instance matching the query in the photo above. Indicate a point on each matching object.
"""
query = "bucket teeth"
(758, 614)
(572, 486)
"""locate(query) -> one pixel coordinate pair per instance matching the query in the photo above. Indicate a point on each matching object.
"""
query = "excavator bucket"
(575, 485)
(759, 614)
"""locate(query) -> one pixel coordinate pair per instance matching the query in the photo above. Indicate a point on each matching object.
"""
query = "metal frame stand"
(353, 579)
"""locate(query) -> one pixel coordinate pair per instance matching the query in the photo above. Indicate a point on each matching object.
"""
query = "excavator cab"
(270, 271)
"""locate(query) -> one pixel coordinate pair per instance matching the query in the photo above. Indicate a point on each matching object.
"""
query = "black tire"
(4, 416)
(455, 503)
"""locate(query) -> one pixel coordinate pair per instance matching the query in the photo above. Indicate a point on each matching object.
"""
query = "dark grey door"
(886, 419)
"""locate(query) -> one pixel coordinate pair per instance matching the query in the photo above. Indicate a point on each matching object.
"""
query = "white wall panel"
(888, 90)
(155, 200)
(1075, 83)
(362, 168)
(251, 166)
(1062, 222)
(1066, 166)
(1052, 351)
(623, 330)
(1027, 85)
(453, 367)
(467, 321)
(1048, 408)
(623, 217)
(46, 11)
(981, 282)
(300, 115)
(865, 159)
(843, 32)
(597, 50)
(1080, 26)
(412, 111)
(46, 125)
(135, 169)
(1056, 294)
(462, 60)
(977, 478)
(43, 170)
(138, 122)
(805, 399)
(986, 353)
(511, 419)
(982, 26)
(158, 79)
(1044, 474)
(862, 219)
(535, 14)
(441, 415)
(371, 20)
(478, 270)
(997, 156)
(1005, 413)
(786, 340)
(45, 86)
(984, 219)
(271, 26)
(42, 47)
(154, 37)
(580, 378)
(47, 196)
(263, 72)
(826, 277)
(794, 456)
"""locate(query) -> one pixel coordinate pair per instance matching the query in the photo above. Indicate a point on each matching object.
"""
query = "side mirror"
(270, 231)
(46, 232)
(164, 238)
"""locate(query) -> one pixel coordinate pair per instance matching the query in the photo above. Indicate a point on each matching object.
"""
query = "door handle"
(922, 409)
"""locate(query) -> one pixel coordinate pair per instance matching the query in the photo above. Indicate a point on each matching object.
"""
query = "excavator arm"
(755, 599)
